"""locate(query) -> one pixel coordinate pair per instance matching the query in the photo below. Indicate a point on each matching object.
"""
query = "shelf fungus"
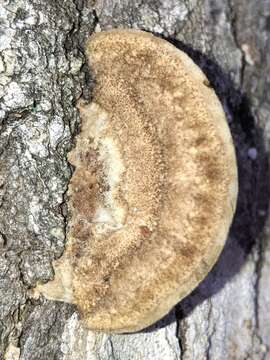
(154, 188)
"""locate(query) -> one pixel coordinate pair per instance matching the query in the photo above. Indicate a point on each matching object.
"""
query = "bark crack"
(234, 31)
(258, 271)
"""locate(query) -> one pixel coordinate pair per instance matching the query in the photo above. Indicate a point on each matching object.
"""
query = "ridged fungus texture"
(154, 186)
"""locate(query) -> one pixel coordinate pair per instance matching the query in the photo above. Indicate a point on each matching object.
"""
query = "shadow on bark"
(254, 191)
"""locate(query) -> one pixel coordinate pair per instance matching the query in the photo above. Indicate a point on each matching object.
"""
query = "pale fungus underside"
(154, 188)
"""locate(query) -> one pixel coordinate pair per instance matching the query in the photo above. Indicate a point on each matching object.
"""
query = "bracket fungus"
(154, 188)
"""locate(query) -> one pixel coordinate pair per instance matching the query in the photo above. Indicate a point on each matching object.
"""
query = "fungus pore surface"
(154, 188)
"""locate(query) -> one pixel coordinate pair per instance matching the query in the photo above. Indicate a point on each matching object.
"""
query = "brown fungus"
(154, 187)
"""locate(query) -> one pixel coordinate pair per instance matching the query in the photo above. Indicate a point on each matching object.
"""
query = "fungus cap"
(154, 189)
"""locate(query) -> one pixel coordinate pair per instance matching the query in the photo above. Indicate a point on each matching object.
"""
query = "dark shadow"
(254, 191)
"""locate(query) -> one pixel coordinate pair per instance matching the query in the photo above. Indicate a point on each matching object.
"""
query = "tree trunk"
(43, 72)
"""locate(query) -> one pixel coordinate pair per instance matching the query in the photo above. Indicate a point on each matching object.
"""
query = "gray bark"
(42, 73)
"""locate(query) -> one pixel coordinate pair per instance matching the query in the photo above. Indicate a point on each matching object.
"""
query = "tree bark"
(43, 72)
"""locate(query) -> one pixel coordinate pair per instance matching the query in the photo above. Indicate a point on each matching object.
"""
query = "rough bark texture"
(42, 74)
